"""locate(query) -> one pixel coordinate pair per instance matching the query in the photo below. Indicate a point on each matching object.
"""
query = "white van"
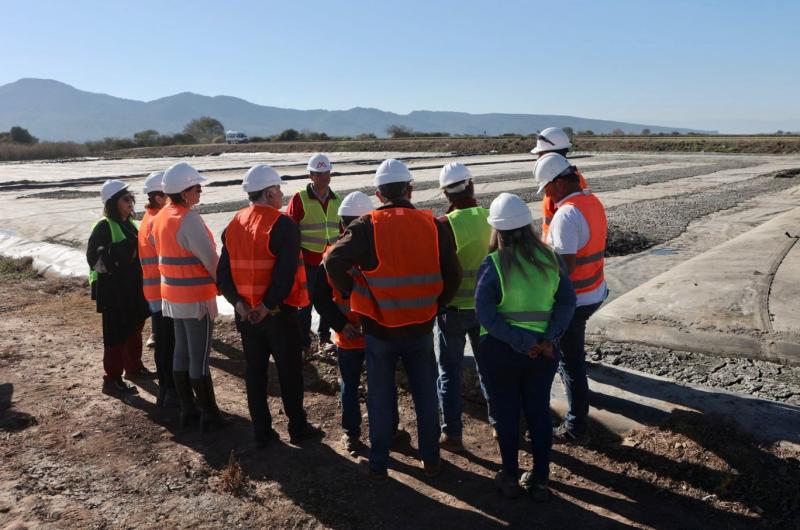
(236, 137)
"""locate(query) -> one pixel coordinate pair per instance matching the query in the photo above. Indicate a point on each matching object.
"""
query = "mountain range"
(52, 110)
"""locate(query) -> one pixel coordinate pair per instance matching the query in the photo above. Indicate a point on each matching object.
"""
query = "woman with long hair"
(524, 302)
(115, 276)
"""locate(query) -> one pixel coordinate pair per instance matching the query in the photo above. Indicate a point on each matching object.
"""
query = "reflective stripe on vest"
(252, 263)
(319, 228)
(117, 236)
(527, 295)
(184, 279)
(405, 286)
(151, 277)
(472, 233)
(589, 260)
(344, 308)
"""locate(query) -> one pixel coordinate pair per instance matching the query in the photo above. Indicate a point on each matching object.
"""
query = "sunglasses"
(545, 139)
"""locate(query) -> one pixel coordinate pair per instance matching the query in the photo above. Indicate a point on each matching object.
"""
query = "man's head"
(393, 180)
(455, 180)
(263, 186)
(319, 171)
(555, 176)
(552, 140)
(354, 206)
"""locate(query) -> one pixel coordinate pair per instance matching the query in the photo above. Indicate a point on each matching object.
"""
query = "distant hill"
(52, 110)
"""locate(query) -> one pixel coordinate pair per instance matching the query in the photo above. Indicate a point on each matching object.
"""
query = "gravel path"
(651, 222)
(762, 379)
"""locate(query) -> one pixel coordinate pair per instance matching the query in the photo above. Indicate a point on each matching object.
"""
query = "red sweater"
(296, 212)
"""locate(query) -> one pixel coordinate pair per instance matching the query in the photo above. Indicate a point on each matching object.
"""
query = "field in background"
(467, 146)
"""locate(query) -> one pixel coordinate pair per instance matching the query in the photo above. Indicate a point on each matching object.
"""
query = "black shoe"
(535, 488)
(351, 444)
(141, 373)
(267, 438)
(507, 485)
(118, 387)
(306, 432)
(167, 398)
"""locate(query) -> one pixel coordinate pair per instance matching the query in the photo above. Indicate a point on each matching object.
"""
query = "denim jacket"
(488, 295)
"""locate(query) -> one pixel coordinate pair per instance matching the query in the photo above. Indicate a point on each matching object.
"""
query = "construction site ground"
(74, 457)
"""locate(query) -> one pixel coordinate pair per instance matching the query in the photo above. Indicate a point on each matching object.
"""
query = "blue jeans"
(420, 364)
(572, 368)
(452, 329)
(518, 383)
(324, 328)
(351, 363)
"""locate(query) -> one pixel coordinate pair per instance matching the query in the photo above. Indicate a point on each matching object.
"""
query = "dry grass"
(232, 480)
(42, 151)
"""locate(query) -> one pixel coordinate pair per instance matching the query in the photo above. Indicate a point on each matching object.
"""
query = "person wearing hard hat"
(314, 209)
(115, 277)
(347, 334)
(398, 265)
(524, 302)
(187, 263)
(467, 223)
(578, 235)
(553, 140)
(261, 274)
(163, 332)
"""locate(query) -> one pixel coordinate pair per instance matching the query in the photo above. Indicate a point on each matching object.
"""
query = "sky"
(727, 65)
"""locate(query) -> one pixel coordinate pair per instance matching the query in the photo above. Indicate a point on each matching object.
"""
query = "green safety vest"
(117, 236)
(472, 233)
(319, 228)
(527, 300)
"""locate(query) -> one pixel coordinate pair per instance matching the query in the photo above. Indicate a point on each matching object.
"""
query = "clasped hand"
(543, 347)
(254, 315)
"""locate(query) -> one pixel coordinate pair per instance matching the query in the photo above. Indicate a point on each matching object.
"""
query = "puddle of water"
(664, 251)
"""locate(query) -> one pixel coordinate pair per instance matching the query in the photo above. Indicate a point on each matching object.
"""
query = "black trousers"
(278, 336)
(164, 334)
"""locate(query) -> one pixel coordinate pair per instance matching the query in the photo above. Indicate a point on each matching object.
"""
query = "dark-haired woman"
(115, 276)
(524, 302)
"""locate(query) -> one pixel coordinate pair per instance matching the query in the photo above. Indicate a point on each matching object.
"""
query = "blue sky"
(726, 65)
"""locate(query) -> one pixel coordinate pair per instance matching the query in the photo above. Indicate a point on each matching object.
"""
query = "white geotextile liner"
(60, 260)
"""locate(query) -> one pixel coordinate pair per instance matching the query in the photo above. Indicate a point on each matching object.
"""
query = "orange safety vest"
(151, 277)
(405, 286)
(247, 240)
(339, 339)
(589, 260)
(549, 209)
(184, 279)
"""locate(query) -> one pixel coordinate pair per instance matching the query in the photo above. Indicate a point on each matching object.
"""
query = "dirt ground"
(73, 457)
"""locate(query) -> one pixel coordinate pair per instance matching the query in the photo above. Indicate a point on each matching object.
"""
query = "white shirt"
(569, 232)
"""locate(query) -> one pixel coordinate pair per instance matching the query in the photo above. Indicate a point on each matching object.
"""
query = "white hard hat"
(355, 204)
(260, 177)
(181, 176)
(453, 173)
(392, 171)
(548, 168)
(508, 212)
(319, 163)
(111, 188)
(154, 182)
(551, 139)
